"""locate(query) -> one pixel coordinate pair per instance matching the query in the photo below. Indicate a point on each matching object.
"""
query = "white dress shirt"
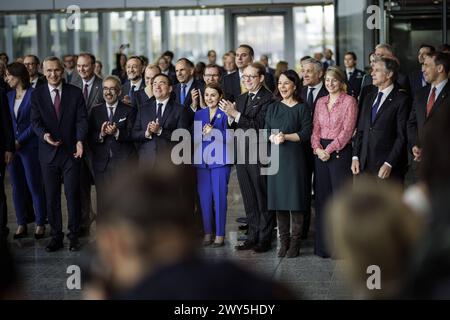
(108, 110)
(439, 87)
(317, 88)
(89, 83)
(148, 134)
(53, 93)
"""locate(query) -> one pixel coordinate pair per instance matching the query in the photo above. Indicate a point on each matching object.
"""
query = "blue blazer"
(220, 122)
(23, 131)
(72, 126)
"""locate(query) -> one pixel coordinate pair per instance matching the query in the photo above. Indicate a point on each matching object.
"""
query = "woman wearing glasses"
(288, 124)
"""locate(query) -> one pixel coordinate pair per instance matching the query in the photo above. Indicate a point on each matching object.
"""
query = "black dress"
(287, 189)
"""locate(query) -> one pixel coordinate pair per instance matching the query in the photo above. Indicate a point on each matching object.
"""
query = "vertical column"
(444, 21)
(229, 30)
(105, 51)
(289, 37)
(43, 34)
(9, 37)
(165, 30)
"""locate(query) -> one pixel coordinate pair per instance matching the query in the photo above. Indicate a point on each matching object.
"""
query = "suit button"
(337, 157)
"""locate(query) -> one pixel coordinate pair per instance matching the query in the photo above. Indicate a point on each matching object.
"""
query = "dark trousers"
(3, 206)
(65, 167)
(330, 176)
(254, 195)
(309, 187)
(85, 193)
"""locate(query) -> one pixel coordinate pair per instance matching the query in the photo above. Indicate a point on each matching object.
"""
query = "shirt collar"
(137, 84)
(317, 86)
(255, 92)
(440, 85)
(189, 83)
(350, 70)
(164, 102)
(386, 91)
(90, 82)
(58, 87)
(113, 106)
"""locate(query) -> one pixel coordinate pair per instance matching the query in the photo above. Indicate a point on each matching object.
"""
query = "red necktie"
(431, 101)
(57, 103)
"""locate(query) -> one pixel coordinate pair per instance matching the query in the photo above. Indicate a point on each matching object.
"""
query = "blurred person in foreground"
(369, 225)
(149, 243)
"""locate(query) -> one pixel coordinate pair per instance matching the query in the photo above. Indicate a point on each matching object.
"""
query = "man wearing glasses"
(212, 74)
(110, 125)
(32, 63)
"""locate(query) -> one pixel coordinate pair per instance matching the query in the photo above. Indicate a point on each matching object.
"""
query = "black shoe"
(22, 234)
(262, 247)
(74, 245)
(247, 245)
(243, 227)
(38, 236)
(54, 245)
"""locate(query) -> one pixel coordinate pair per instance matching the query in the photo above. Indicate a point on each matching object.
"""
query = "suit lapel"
(24, 102)
(94, 91)
(167, 111)
(64, 98)
(385, 104)
(48, 103)
(443, 95)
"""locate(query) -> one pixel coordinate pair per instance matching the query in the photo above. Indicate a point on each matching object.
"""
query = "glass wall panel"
(194, 32)
(314, 30)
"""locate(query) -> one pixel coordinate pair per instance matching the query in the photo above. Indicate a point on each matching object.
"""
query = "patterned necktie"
(250, 98)
(376, 106)
(86, 92)
(159, 112)
(57, 103)
(310, 99)
(110, 114)
(183, 94)
(431, 101)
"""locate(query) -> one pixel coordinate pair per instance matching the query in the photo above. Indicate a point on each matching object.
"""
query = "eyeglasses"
(248, 77)
(211, 75)
(106, 89)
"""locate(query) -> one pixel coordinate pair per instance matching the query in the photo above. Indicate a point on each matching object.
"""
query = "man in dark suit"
(380, 141)
(354, 76)
(186, 83)
(248, 113)
(427, 103)
(32, 63)
(135, 81)
(7, 149)
(70, 68)
(91, 86)
(213, 74)
(416, 77)
(313, 89)
(144, 95)
(264, 59)
(232, 83)
(110, 125)
(59, 119)
(155, 122)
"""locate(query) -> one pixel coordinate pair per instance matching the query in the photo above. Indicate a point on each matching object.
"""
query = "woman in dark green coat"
(288, 124)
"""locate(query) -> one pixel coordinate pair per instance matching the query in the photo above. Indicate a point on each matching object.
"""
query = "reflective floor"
(44, 275)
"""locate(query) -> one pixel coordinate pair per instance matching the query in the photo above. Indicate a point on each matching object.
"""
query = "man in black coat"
(248, 113)
(232, 83)
(110, 125)
(380, 141)
(313, 89)
(354, 75)
(427, 103)
(7, 148)
(59, 119)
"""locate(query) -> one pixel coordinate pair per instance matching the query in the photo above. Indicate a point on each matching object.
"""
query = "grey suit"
(87, 173)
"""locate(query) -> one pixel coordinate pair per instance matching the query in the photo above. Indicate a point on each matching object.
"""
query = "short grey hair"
(115, 79)
(54, 58)
(317, 64)
(385, 46)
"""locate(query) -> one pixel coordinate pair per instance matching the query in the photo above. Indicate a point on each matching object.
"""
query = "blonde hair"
(368, 224)
(339, 75)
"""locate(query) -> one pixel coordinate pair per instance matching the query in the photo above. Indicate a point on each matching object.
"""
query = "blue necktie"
(183, 94)
(131, 93)
(310, 99)
(376, 106)
(159, 112)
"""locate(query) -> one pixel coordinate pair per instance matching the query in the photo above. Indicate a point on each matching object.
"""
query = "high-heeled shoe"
(22, 234)
(38, 236)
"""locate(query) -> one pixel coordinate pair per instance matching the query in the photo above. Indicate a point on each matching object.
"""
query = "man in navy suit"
(380, 141)
(110, 125)
(155, 122)
(135, 81)
(186, 83)
(313, 89)
(59, 119)
(416, 78)
(6, 154)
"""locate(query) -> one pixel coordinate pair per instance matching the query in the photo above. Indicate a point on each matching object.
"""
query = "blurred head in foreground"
(147, 241)
(369, 225)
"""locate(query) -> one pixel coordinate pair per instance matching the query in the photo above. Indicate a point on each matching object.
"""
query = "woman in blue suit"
(213, 167)
(24, 169)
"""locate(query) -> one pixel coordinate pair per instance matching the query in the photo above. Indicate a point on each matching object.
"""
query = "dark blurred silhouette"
(146, 236)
